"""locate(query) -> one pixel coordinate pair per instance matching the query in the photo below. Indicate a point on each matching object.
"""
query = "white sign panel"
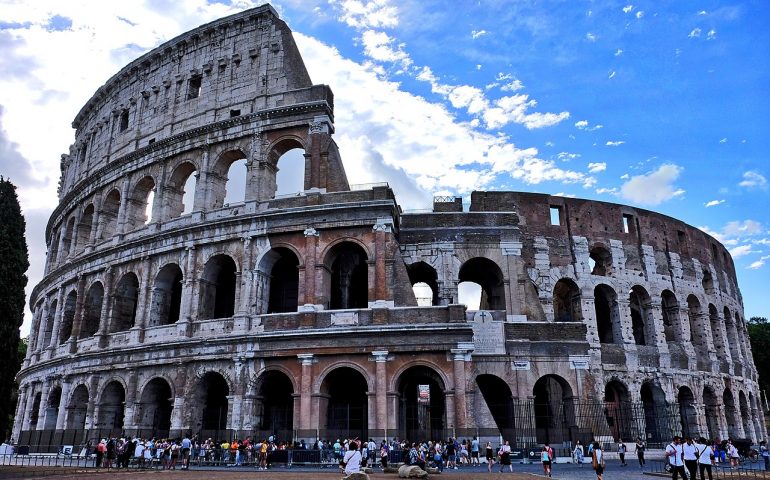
(488, 335)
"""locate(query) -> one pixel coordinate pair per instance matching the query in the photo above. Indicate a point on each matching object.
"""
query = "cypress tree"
(13, 267)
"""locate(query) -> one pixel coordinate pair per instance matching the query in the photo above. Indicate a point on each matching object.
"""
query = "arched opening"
(166, 296)
(70, 238)
(349, 282)
(469, 294)
(716, 331)
(693, 312)
(140, 204)
(642, 323)
(209, 406)
(180, 190)
(748, 429)
(655, 413)
(424, 280)
(731, 413)
(712, 410)
(345, 393)
(217, 288)
(499, 401)
(52, 409)
(110, 413)
(600, 261)
(34, 413)
(422, 404)
(49, 321)
(275, 404)
(607, 315)
(156, 405)
(554, 410)
(732, 336)
(708, 283)
(53, 250)
(85, 226)
(290, 170)
(77, 408)
(282, 266)
(566, 301)
(688, 414)
(125, 303)
(108, 217)
(618, 410)
(227, 181)
(67, 317)
(670, 311)
(92, 310)
(488, 275)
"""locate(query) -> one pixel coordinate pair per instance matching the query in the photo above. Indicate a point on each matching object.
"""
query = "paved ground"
(521, 472)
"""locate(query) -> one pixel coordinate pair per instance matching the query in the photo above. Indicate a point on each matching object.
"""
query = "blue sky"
(660, 105)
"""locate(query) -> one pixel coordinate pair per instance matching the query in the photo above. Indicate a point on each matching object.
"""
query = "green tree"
(14, 262)
(759, 336)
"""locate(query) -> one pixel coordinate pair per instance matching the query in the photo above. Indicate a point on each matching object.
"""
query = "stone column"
(202, 199)
(177, 417)
(56, 321)
(42, 411)
(30, 402)
(381, 231)
(189, 289)
(77, 322)
(381, 390)
(460, 355)
(311, 245)
(21, 412)
(120, 228)
(42, 327)
(61, 418)
(104, 315)
(144, 301)
(305, 392)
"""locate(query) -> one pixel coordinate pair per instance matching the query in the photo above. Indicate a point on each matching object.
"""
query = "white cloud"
(639, 14)
(611, 143)
(702, 13)
(759, 263)
(590, 37)
(625, 176)
(478, 33)
(741, 251)
(583, 125)
(654, 187)
(512, 86)
(566, 156)
(365, 15)
(612, 74)
(711, 35)
(610, 191)
(724, 140)
(714, 203)
(742, 228)
(753, 179)
(619, 52)
(549, 143)
(628, 8)
(597, 167)
(378, 47)
(695, 33)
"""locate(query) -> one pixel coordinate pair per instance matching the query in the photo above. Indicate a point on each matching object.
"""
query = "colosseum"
(165, 310)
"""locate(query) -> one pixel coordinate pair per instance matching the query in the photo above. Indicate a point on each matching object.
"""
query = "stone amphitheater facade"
(297, 314)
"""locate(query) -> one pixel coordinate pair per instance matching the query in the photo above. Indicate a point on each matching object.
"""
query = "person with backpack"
(597, 460)
(546, 457)
(384, 451)
(505, 456)
(674, 455)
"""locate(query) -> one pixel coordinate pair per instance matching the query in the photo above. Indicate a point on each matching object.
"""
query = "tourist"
(351, 462)
(139, 453)
(546, 456)
(451, 454)
(490, 454)
(674, 455)
(384, 452)
(640, 446)
(622, 452)
(110, 453)
(505, 456)
(690, 456)
(577, 453)
(732, 452)
(101, 449)
(475, 452)
(186, 446)
(765, 454)
(597, 460)
(706, 457)
(438, 457)
(414, 457)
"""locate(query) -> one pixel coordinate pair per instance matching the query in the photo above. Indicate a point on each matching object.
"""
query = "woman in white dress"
(578, 453)
(352, 459)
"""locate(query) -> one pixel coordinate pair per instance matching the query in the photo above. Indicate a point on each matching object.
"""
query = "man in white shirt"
(690, 452)
(674, 454)
(705, 457)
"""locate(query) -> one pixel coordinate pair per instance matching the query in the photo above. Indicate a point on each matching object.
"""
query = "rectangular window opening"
(194, 87)
(682, 239)
(124, 121)
(235, 113)
(151, 141)
(555, 215)
(627, 220)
